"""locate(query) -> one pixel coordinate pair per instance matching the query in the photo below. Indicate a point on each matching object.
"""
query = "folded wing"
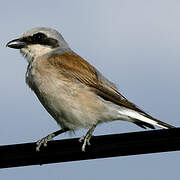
(74, 67)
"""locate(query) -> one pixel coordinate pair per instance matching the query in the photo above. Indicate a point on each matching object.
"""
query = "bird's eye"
(39, 36)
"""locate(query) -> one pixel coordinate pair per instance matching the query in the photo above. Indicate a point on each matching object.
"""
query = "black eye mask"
(40, 38)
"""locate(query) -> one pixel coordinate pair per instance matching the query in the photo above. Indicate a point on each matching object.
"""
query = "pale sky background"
(133, 43)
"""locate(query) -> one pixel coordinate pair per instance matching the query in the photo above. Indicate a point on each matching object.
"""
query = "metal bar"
(102, 147)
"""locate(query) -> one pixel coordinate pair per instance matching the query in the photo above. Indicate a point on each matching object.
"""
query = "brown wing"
(74, 67)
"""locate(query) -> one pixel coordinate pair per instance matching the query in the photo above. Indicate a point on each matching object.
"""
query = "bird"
(73, 91)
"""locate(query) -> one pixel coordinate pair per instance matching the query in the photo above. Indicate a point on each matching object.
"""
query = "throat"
(34, 51)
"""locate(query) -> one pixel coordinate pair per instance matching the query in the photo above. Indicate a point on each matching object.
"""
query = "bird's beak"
(16, 44)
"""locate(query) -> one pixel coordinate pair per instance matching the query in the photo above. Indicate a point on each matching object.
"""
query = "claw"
(44, 141)
(84, 146)
(81, 139)
(86, 140)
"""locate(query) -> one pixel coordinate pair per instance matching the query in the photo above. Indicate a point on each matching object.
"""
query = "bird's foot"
(86, 141)
(44, 141)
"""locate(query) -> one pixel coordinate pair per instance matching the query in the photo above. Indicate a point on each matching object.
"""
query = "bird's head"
(38, 41)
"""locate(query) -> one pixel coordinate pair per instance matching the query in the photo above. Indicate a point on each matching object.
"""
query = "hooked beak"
(16, 44)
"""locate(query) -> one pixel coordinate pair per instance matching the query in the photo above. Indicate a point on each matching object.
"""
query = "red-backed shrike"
(75, 93)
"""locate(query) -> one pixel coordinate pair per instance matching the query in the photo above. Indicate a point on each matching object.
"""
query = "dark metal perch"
(101, 147)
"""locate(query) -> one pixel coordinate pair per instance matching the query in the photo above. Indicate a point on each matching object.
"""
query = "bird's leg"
(49, 137)
(86, 138)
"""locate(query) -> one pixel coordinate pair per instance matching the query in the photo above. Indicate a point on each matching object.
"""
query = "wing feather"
(76, 68)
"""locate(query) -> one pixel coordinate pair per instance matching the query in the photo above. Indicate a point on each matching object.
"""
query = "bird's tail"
(144, 120)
